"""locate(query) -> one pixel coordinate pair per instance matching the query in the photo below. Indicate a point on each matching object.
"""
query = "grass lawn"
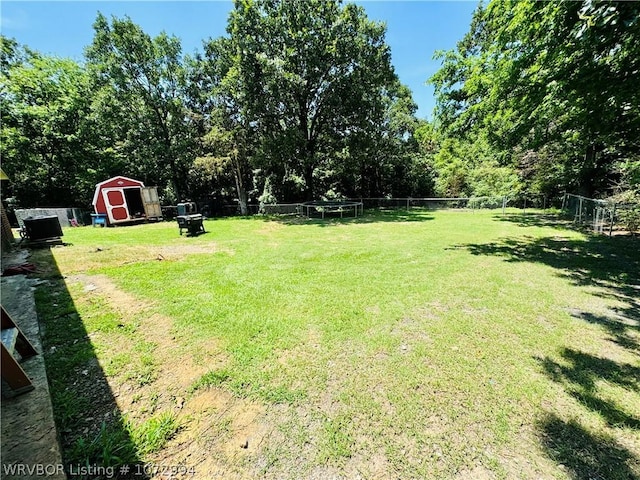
(399, 345)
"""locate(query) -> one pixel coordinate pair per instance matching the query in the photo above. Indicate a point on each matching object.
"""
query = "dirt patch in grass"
(75, 260)
(270, 227)
(176, 369)
(220, 434)
(177, 252)
(118, 300)
(432, 311)
(223, 434)
(476, 473)
(218, 431)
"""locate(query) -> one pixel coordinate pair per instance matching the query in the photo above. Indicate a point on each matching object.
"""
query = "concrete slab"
(30, 447)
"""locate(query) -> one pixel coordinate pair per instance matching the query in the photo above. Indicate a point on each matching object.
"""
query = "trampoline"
(341, 208)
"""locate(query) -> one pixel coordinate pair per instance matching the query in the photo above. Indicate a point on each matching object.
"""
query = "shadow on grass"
(619, 324)
(584, 454)
(369, 216)
(579, 374)
(535, 220)
(194, 234)
(612, 265)
(93, 432)
(558, 220)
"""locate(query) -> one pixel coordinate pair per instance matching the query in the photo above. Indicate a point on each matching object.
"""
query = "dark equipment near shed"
(188, 219)
(42, 228)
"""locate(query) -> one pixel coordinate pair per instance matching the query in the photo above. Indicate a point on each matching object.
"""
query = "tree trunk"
(243, 197)
(309, 166)
(176, 189)
(308, 181)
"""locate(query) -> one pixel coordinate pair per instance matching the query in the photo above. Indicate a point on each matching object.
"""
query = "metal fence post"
(580, 212)
(613, 216)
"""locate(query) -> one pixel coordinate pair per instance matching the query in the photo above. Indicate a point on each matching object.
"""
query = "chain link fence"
(603, 216)
(522, 202)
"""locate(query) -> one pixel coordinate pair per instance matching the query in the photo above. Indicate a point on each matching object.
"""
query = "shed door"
(116, 204)
(151, 202)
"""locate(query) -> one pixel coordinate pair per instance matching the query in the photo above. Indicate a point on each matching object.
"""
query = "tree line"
(300, 101)
(550, 90)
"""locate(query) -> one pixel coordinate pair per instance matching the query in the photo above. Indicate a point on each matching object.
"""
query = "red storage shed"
(124, 199)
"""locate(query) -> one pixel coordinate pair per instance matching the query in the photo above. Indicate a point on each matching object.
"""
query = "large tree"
(228, 137)
(141, 84)
(299, 101)
(385, 160)
(310, 75)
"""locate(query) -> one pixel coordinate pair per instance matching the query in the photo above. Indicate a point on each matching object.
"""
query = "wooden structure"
(6, 233)
(13, 340)
(124, 199)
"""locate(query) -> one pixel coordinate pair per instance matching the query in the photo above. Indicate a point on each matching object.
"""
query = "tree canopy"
(554, 86)
(312, 75)
(143, 80)
(45, 136)
(300, 101)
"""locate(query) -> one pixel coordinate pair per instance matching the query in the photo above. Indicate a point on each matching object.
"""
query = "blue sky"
(415, 29)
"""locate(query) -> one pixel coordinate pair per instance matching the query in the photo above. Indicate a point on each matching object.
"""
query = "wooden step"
(14, 341)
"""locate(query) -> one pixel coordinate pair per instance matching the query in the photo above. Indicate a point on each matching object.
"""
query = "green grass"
(337, 439)
(437, 342)
(109, 447)
(152, 435)
(213, 378)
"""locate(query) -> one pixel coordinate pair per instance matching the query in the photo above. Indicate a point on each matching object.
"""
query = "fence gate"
(598, 214)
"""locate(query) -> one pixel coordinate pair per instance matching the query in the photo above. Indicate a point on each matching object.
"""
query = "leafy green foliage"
(45, 133)
(315, 79)
(464, 168)
(299, 101)
(631, 218)
(628, 209)
(143, 79)
(552, 83)
(229, 141)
